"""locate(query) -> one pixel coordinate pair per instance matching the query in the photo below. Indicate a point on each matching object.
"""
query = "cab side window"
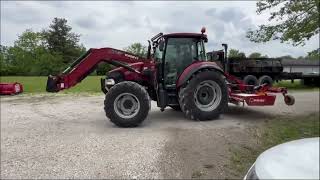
(158, 55)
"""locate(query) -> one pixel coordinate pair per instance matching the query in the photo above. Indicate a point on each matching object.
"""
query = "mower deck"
(253, 99)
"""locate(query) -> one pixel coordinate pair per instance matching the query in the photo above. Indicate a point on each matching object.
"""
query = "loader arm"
(87, 63)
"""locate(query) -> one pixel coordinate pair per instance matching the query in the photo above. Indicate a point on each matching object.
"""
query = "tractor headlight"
(109, 82)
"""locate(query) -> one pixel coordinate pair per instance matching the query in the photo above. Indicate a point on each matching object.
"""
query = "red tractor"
(175, 73)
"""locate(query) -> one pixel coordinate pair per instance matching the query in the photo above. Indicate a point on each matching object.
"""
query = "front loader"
(175, 73)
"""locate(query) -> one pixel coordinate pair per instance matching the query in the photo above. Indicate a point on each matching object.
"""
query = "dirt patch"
(200, 154)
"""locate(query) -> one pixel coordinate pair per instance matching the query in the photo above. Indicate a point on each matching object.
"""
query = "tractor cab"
(178, 57)
(174, 52)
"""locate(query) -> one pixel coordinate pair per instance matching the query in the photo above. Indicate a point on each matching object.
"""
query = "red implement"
(262, 95)
(254, 99)
(10, 88)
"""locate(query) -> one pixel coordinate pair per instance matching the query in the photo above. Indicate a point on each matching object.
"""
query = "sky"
(119, 24)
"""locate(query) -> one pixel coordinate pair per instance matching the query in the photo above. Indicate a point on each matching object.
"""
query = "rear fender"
(195, 67)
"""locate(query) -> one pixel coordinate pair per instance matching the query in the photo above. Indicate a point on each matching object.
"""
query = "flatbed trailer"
(258, 71)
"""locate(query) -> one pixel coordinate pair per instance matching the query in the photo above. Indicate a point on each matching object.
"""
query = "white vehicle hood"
(297, 159)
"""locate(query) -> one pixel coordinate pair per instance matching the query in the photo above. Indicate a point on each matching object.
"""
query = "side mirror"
(161, 45)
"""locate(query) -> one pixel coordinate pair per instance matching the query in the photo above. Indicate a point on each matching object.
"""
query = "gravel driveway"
(68, 136)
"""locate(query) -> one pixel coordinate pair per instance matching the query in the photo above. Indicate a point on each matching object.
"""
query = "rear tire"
(205, 96)
(127, 104)
(265, 80)
(250, 80)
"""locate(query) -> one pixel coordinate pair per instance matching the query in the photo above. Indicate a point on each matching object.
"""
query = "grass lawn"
(294, 86)
(272, 132)
(37, 84)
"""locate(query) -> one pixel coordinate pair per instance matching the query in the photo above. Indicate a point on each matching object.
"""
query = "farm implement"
(10, 88)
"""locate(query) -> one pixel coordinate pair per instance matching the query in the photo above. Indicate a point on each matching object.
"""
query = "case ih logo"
(254, 100)
(131, 56)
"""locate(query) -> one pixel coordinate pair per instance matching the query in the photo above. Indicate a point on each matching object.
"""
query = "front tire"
(205, 96)
(127, 104)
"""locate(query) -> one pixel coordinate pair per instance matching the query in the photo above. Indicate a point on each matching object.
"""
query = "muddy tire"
(250, 80)
(265, 80)
(127, 104)
(204, 97)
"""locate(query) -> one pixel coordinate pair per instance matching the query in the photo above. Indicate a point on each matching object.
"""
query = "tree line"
(49, 51)
(41, 53)
(313, 55)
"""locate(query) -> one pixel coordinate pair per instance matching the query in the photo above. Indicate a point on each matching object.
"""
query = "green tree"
(41, 53)
(291, 21)
(103, 68)
(29, 40)
(25, 53)
(314, 55)
(236, 53)
(29, 56)
(60, 40)
(4, 61)
(287, 57)
(137, 49)
(49, 64)
(257, 55)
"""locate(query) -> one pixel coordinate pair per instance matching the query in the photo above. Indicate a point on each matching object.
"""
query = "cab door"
(158, 58)
(179, 54)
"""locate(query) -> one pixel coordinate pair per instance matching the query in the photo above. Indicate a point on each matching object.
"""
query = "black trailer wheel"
(127, 104)
(205, 97)
(289, 100)
(265, 80)
(250, 80)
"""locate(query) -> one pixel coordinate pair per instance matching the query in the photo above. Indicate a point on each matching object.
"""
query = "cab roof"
(192, 35)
